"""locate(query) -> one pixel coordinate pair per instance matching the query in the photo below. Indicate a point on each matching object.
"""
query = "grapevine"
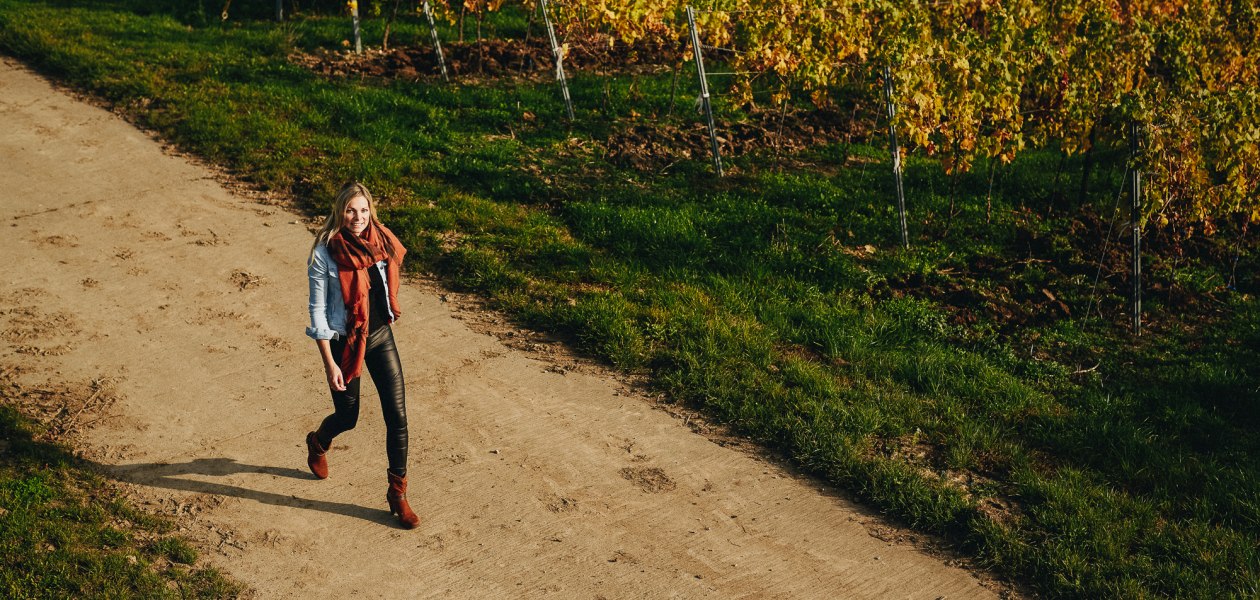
(987, 79)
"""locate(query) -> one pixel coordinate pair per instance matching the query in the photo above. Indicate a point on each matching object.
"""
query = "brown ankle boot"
(397, 497)
(315, 458)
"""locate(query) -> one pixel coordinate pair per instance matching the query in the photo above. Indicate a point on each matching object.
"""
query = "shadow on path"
(170, 476)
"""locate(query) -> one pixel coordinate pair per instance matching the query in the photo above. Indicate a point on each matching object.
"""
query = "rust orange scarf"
(354, 255)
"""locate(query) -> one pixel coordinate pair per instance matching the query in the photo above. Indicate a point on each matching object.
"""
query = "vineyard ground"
(536, 472)
(647, 145)
(981, 385)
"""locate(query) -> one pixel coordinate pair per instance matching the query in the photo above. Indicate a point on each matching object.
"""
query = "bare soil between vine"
(643, 143)
(488, 58)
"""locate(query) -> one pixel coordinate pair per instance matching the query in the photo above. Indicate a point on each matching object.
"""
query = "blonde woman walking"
(353, 270)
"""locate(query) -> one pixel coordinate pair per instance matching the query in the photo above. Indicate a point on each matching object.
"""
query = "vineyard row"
(991, 78)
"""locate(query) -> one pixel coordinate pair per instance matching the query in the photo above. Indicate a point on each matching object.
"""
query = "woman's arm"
(317, 274)
(331, 371)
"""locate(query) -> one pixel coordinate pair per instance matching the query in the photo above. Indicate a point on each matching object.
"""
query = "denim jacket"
(328, 309)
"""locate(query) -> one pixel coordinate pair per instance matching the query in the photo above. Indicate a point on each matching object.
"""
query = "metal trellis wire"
(433, 36)
(558, 54)
(704, 90)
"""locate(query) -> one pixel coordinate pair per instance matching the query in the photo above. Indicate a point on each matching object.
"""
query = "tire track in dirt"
(133, 275)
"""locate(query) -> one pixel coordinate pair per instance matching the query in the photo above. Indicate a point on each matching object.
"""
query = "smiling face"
(358, 215)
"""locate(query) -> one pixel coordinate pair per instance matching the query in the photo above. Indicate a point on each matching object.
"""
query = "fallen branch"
(1080, 371)
(69, 423)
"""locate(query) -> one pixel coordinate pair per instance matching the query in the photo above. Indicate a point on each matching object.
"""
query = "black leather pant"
(381, 361)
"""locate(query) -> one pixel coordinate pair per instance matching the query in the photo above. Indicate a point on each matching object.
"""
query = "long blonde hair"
(337, 218)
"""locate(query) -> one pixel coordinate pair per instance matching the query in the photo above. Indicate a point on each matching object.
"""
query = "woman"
(353, 270)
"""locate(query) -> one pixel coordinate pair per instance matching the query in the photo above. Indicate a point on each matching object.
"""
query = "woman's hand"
(335, 380)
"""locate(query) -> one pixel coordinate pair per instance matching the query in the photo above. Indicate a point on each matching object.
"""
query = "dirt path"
(158, 318)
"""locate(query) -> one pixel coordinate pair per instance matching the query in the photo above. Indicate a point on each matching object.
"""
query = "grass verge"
(65, 534)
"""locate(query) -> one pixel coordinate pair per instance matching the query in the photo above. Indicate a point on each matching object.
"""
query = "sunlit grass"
(65, 534)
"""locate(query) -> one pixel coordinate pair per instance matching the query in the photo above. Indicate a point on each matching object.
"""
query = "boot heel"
(316, 456)
(397, 499)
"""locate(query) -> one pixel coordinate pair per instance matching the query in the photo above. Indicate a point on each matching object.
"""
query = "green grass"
(65, 534)
(938, 383)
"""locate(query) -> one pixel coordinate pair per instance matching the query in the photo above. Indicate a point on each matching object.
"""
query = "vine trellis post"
(704, 90)
(558, 54)
(354, 16)
(896, 154)
(1135, 195)
(433, 36)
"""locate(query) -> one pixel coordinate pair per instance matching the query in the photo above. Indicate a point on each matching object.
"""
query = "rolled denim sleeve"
(317, 273)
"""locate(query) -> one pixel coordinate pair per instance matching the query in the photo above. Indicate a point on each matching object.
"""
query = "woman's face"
(357, 215)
